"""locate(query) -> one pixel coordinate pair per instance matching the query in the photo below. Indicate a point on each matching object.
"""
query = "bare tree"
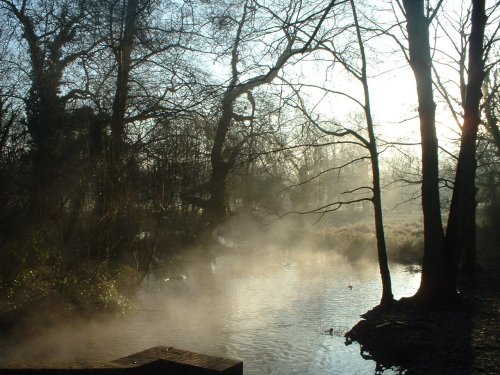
(357, 68)
(241, 83)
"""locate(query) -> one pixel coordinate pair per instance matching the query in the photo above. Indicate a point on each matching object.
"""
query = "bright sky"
(392, 83)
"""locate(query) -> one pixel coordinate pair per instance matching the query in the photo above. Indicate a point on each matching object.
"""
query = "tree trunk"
(115, 201)
(123, 56)
(45, 118)
(435, 268)
(490, 105)
(461, 230)
(387, 296)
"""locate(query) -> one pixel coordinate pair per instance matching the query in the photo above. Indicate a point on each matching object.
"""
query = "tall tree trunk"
(387, 296)
(216, 205)
(490, 104)
(45, 119)
(435, 268)
(123, 56)
(45, 116)
(461, 230)
(116, 199)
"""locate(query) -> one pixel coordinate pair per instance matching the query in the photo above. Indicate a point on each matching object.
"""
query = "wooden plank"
(166, 357)
(157, 360)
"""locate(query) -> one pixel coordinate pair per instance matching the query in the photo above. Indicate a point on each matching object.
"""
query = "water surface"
(269, 309)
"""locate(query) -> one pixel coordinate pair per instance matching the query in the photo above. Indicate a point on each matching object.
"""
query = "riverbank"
(46, 296)
(462, 338)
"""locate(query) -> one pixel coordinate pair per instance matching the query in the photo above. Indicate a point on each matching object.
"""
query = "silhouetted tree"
(49, 36)
(466, 50)
(241, 83)
(442, 256)
(435, 267)
(461, 229)
(357, 68)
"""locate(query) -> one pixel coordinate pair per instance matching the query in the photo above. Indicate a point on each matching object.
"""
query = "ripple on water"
(272, 314)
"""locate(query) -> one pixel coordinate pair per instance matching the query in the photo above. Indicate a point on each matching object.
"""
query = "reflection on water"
(270, 311)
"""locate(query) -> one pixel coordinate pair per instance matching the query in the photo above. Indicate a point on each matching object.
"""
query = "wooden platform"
(157, 360)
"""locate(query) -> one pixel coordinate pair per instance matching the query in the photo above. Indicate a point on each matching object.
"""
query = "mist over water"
(265, 304)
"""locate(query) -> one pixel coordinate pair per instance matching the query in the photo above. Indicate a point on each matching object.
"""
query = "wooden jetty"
(158, 360)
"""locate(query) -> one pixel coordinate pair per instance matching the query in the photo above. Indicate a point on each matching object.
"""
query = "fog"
(204, 174)
(265, 293)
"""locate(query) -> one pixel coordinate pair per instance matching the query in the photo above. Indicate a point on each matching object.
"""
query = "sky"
(392, 86)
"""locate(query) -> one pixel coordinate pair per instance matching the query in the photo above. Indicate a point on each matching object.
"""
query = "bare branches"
(330, 207)
(320, 23)
(345, 131)
(431, 13)
(335, 168)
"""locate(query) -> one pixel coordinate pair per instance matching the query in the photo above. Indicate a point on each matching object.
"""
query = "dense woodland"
(138, 127)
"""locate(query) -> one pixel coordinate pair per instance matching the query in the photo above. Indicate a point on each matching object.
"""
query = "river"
(270, 309)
